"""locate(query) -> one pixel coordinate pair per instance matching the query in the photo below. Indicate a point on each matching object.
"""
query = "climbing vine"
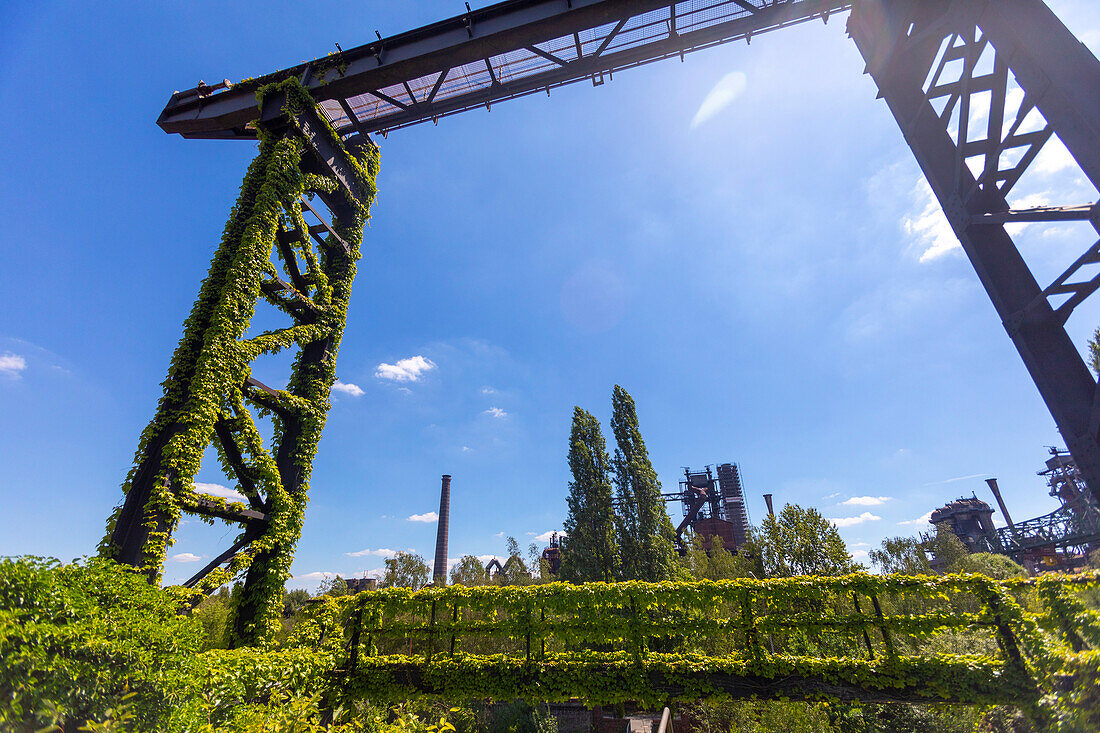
(205, 394)
(77, 639)
(657, 642)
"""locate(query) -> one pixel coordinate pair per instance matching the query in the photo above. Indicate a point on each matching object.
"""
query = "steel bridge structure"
(1063, 528)
(977, 87)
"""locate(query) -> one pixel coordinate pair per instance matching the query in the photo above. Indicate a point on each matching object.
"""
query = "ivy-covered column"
(302, 169)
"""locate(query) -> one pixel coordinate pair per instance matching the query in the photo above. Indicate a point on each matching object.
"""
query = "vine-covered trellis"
(969, 639)
(303, 167)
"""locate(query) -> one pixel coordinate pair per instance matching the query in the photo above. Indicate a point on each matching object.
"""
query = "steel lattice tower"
(941, 67)
(302, 169)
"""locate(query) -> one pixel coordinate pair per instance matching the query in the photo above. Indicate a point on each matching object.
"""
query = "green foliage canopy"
(469, 572)
(406, 570)
(646, 535)
(591, 551)
(801, 542)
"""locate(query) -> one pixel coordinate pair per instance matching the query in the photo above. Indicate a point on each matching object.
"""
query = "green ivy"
(206, 379)
(95, 642)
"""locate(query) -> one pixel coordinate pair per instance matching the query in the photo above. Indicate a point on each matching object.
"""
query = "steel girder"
(1061, 529)
(940, 65)
(310, 284)
(503, 51)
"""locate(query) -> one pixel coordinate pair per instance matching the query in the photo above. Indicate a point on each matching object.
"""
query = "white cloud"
(860, 555)
(866, 500)
(495, 412)
(185, 557)
(956, 478)
(352, 390)
(381, 552)
(465, 449)
(218, 490)
(315, 577)
(544, 538)
(919, 521)
(405, 370)
(728, 88)
(11, 364)
(849, 521)
(499, 534)
(429, 517)
(927, 224)
(1053, 158)
(488, 390)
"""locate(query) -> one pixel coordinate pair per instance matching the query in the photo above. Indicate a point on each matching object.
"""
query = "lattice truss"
(292, 241)
(308, 251)
(999, 134)
(671, 29)
(1003, 125)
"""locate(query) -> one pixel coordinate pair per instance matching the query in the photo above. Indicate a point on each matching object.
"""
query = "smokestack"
(768, 499)
(1000, 502)
(439, 577)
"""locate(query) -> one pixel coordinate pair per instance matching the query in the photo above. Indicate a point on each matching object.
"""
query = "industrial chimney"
(439, 576)
(768, 499)
(1000, 502)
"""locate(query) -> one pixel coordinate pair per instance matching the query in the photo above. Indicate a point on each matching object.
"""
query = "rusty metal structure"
(713, 503)
(969, 518)
(551, 555)
(1059, 539)
(977, 87)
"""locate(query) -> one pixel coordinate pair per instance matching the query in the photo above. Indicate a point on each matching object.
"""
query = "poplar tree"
(590, 551)
(646, 536)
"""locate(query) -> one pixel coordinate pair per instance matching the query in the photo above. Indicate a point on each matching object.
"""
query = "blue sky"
(741, 240)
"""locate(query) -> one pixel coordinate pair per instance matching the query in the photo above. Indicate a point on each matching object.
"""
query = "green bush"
(75, 639)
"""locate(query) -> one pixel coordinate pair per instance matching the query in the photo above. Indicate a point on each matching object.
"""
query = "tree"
(801, 542)
(646, 536)
(998, 567)
(295, 600)
(947, 549)
(534, 559)
(336, 587)
(717, 564)
(902, 555)
(469, 572)
(1094, 351)
(406, 570)
(591, 552)
(514, 570)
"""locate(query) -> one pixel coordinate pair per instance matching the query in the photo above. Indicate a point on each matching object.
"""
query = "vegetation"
(469, 572)
(204, 399)
(406, 570)
(591, 552)
(646, 536)
(96, 644)
(801, 542)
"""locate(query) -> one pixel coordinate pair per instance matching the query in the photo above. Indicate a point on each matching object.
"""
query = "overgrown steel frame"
(317, 250)
(515, 48)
